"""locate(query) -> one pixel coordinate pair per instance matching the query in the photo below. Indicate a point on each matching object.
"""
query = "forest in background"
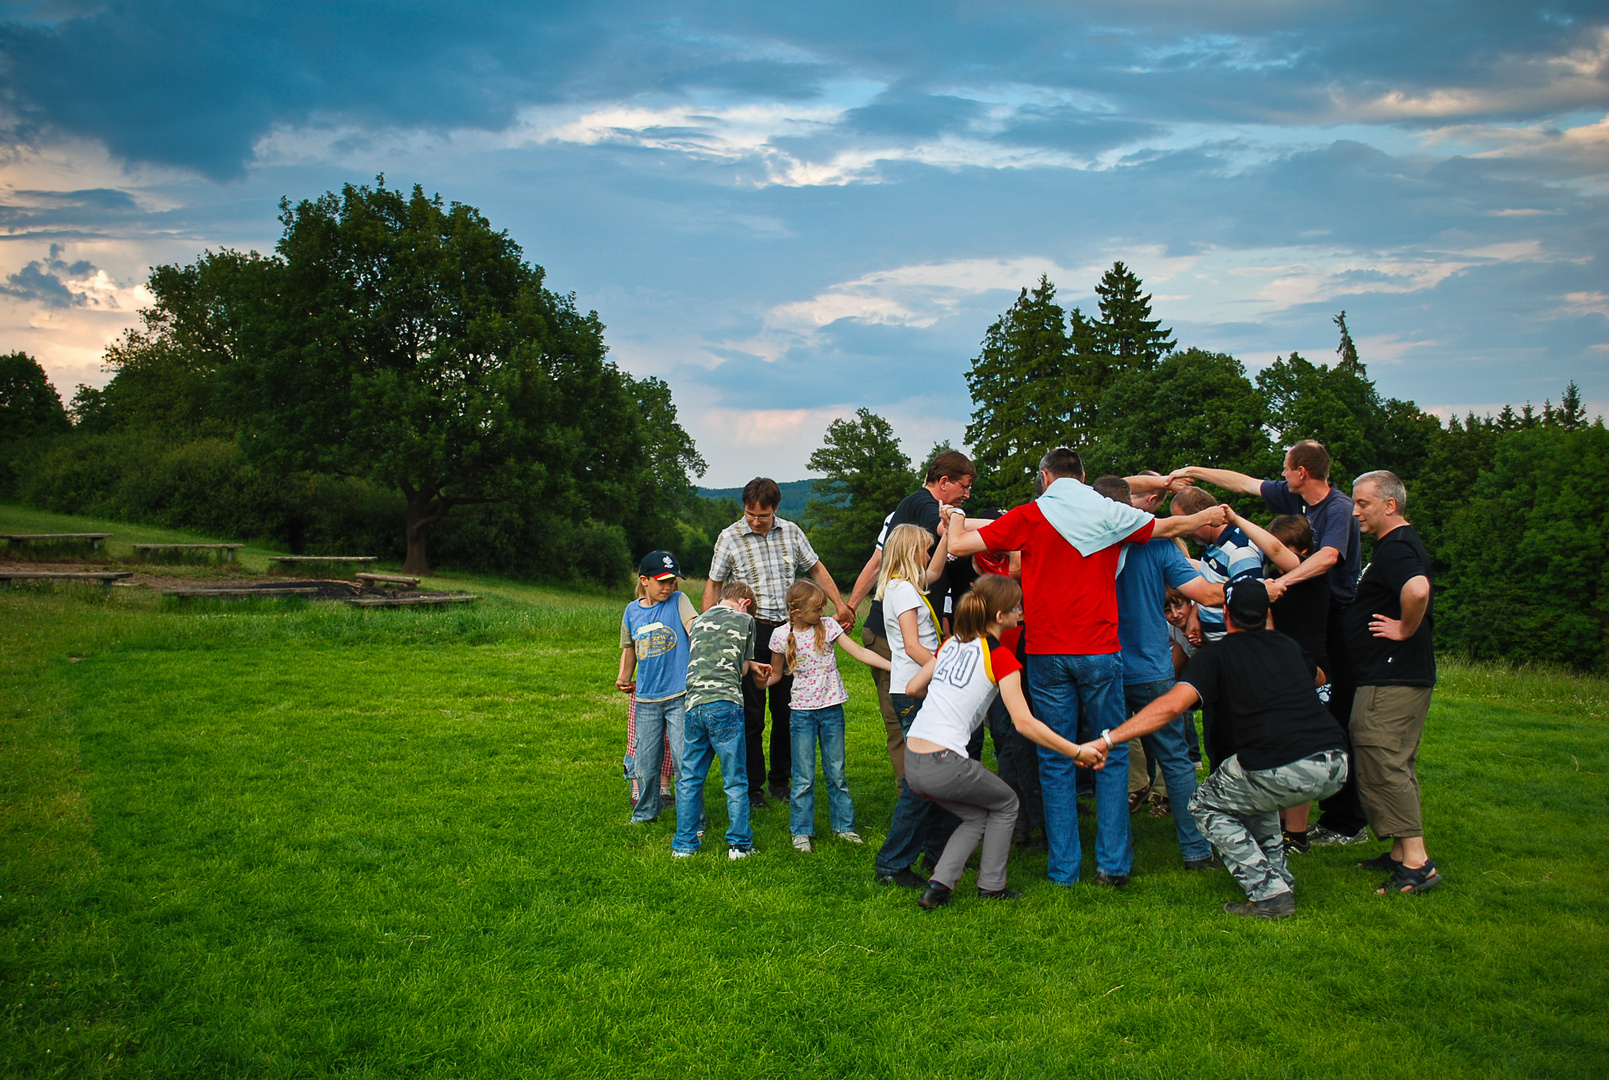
(397, 380)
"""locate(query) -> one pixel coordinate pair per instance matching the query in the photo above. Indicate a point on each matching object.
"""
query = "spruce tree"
(1126, 331)
(1022, 381)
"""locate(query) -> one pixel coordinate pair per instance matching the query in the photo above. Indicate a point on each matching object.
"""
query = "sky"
(790, 211)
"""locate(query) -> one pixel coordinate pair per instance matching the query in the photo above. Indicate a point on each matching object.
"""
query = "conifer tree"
(1126, 331)
(1022, 382)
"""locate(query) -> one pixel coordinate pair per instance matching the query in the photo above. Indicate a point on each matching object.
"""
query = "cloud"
(55, 283)
(916, 295)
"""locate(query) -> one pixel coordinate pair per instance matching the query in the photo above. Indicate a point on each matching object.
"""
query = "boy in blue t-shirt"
(653, 661)
(1229, 555)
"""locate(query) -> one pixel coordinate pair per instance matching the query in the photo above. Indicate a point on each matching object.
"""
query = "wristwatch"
(1106, 737)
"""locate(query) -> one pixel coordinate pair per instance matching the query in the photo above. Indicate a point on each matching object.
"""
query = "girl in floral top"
(804, 649)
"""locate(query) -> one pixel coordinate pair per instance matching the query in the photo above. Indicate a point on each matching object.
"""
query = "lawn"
(294, 839)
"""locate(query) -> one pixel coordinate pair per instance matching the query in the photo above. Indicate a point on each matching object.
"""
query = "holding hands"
(1092, 755)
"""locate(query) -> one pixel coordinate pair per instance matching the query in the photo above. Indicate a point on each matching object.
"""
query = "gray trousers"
(985, 804)
(1238, 811)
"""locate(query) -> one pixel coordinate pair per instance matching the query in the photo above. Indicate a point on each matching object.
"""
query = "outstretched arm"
(863, 654)
(867, 581)
(778, 665)
(843, 613)
(1183, 525)
(1228, 479)
(1281, 556)
(1029, 726)
(1153, 717)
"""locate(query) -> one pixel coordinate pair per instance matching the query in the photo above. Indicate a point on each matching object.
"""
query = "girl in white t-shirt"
(804, 649)
(960, 683)
(909, 622)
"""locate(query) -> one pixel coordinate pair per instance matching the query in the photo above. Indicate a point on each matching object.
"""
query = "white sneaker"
(680, 854)
(802, 843)
(736, 853)
(850, 836)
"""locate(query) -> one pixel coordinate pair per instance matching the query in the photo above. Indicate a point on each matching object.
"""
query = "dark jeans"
(1341, 812)
(754, 699)
(919, 825)
(1018, 762)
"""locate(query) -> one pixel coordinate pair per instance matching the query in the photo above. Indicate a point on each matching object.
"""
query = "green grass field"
(293, 839)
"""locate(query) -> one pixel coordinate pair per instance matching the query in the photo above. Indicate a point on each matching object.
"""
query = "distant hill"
(795, 494)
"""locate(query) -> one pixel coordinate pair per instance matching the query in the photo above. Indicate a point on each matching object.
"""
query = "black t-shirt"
(1265, 707)
(1303, 614)
(1399, 556)
(918, 508)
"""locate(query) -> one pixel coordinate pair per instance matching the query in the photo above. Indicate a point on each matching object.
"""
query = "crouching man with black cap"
(1287, 748)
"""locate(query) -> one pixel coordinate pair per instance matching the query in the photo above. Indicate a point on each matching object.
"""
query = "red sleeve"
(1142, 535)
(1002, 661)
(1007, 532)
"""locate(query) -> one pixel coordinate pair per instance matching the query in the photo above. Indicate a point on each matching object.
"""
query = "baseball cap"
(659, 565)
(1246, 601)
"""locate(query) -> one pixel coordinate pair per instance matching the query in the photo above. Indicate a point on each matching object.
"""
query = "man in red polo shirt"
(1071, 539)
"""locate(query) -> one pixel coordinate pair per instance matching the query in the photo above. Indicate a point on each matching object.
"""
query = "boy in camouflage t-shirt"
(722, 654)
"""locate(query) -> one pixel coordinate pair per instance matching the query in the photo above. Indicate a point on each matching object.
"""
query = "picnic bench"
(104, 577)
(226, 551)
(291, 562)
(23, 539)
(240, 594)
(370, 581)
(411, 601)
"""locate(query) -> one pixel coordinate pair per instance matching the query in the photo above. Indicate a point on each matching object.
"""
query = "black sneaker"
(757, 801)
(1211, 862)
(1116, 881)
(1319, 836)
(935, 896)
(1277, 906)
(1297, 843)
(779, 792)
(999, 894)
(903, 878)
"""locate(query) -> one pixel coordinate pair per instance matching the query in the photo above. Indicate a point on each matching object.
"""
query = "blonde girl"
(961, 683)
(804, 649)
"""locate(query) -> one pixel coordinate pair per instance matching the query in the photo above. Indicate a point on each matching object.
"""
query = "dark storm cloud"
(197, 84)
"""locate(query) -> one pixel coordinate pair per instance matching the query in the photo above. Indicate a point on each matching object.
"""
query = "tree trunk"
(422, 513)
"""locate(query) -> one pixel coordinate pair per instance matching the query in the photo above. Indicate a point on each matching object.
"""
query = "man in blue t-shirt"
(1142, 577)
(1306, 490)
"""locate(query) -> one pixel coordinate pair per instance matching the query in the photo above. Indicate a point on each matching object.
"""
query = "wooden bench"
(241, 594)
(104, 577)
(227, 551)
(20, 539)
(369, 581)
(412, 601)
(291, 562)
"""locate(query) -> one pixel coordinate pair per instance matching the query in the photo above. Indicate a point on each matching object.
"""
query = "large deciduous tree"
(415, 346)
(866, 474)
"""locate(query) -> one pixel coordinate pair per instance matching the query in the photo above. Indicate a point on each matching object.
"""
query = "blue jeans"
(714, 730)
(1077, 697)
(809, 726)
(919, 825)
(1168, 748)
(656, 720)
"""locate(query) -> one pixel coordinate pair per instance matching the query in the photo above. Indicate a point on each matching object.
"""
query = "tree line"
(395, 378)
(1504, 503)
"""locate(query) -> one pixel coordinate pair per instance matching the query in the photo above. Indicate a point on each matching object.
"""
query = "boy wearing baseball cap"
(654, 643)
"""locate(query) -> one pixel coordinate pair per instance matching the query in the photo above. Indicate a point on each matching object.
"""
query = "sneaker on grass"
(736, 853)
(850, 836)
(802, 843)
(1319, 836)
(680, 854)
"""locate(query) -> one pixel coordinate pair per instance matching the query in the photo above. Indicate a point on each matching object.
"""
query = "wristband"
(1106, 737)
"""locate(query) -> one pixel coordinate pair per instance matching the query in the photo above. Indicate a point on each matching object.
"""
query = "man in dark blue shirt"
(1306, 490)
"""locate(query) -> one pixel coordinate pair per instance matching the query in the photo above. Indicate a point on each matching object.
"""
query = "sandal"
(1160, 806)
(1138, 797)
(1415, 879)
